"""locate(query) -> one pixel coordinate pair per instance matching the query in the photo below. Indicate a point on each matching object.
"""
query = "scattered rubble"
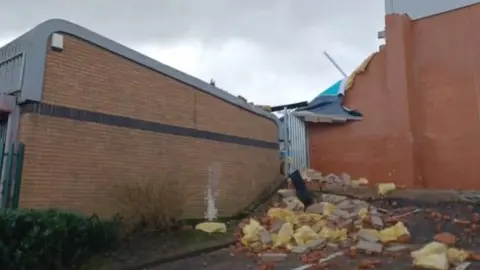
(386, 188)
(338, 225)
(272, 257)
(437, 255)
(370, 247)
(211, 227)
(445, 238)
(463, 266)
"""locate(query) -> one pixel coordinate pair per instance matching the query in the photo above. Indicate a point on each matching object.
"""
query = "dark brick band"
(126, 122)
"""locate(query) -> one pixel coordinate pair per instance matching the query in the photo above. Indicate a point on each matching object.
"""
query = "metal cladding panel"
(297, 145)
(416, 9)
(12, 66)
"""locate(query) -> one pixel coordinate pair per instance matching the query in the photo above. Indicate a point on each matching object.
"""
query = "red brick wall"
(361, 148)
(447, 67)
(77, 165)
(421, 103)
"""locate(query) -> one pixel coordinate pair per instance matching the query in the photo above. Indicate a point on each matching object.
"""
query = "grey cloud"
(290, 35)
(269, 21)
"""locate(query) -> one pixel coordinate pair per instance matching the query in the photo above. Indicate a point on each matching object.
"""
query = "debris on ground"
(386, 188)
(212, 227)
(335, 226)
(312, 176)
(437, 255)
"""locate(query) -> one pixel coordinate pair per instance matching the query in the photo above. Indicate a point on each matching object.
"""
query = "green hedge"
(51, 239)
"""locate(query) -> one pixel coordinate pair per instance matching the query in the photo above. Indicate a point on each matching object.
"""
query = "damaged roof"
(327, 106)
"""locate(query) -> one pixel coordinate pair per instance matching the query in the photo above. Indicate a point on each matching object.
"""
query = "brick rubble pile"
(337, 226)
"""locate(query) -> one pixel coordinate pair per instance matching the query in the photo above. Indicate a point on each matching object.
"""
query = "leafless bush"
(154, 204)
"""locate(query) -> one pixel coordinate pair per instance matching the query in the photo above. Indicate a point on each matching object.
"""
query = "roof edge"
(417, 10)
(45, 29)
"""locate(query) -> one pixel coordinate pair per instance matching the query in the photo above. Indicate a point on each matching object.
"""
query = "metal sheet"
(12, 66)
(420, 9)
(296, 144)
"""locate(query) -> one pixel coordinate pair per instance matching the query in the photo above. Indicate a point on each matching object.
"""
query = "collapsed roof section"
(328, 107)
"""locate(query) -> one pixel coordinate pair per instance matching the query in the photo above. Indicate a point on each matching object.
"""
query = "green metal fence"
(11, 165)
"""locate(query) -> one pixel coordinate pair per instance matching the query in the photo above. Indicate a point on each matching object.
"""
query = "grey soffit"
(35, 67)
(327, 109)
(131, 123)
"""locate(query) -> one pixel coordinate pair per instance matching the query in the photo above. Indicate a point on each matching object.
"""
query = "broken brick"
(475, 256)
(368, 264)
(475, 217)
(316, 208)
(377, 222)
(346, 205)
(272, 257)
(345, 243)
(340, 213)
(332, 178)
(317, 227)
(267, 266)
(334, 199)
(398, 247)
(446, 238)
(265, 237)
(369, 235)
(276, 225)
(369, 246)
(316, 243)
(300, 249)
(333, 245)
(345, 224)
(345, 177)
(461, 222)
(293, 203)
(285, 193)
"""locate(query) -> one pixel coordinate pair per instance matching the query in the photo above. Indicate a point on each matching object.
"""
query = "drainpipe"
(286, 141)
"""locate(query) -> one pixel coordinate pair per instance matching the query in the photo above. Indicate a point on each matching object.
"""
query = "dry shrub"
(151, 205)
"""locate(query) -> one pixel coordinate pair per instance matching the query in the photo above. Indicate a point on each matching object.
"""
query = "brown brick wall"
(77, 165)
(87, 77)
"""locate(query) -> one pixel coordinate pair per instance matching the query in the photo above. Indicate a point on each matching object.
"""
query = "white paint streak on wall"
(211, 192)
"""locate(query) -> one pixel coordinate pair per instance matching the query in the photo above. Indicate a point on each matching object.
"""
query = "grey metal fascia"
(419, 9)
(37, 52)
(381, 34)
(388, 6)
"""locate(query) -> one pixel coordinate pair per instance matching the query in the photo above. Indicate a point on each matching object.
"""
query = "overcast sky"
(269, 51)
